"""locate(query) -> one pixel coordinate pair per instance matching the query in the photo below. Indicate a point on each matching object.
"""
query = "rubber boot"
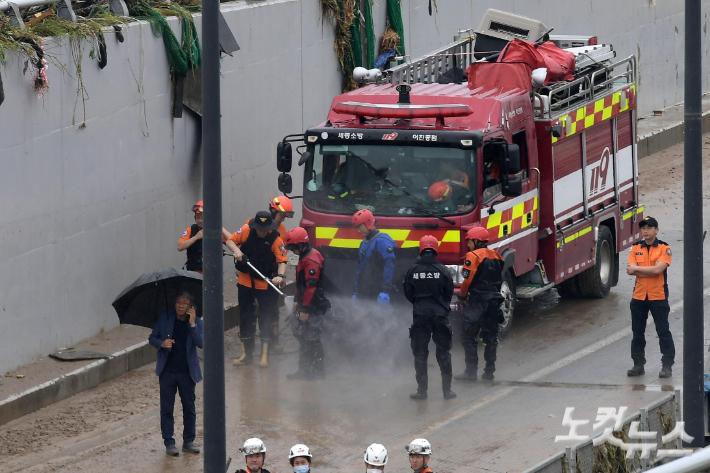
(488, 371)
(264, 355)
(247, 353)
(637, 370)
(422, 385)
(467, 376)
(446, 387)
(666, 371)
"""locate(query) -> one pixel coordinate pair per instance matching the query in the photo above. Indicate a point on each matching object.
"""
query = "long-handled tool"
(258, 273)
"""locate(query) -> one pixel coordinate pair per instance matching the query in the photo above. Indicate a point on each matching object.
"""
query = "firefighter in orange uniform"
(259, 243)
(192, 240)
(281, 208)
(648, 261)
(450, 173)
(481, 298)
(419, 451)
(451, 196)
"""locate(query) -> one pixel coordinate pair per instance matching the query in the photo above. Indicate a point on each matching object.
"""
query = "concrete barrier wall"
(88, 210)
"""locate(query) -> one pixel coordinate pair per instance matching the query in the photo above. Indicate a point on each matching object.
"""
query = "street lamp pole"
(215, 445)
(693, 394)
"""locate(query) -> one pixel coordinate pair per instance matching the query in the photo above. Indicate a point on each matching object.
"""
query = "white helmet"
(253, 446)
(419, 447)
(376, 455)
(299, 450)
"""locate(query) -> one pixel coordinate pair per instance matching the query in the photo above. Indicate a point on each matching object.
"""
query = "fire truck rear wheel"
(597, 281)
(507, 290)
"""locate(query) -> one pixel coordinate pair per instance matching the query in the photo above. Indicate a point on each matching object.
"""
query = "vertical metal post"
(693, 230)
(215, 445)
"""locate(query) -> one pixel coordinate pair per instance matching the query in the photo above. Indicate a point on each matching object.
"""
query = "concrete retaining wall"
(87, 211)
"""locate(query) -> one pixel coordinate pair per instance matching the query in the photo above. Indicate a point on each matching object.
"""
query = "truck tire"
(507, 290)
(568, 289)
(596, 282)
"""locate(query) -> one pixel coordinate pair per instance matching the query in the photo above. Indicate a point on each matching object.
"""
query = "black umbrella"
(154, 293)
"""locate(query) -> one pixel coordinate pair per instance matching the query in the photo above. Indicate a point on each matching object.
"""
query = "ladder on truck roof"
(428, 68)
(597, 76)
(556, 100)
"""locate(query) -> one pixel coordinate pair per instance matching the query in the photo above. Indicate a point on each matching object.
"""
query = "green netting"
(369, 34)
(394, 19)
(355, 39)
(181, 57)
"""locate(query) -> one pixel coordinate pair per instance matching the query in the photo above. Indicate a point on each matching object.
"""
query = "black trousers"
(248, 315)
(311, 359)
(425, 328)
(639, 314)
(483, 317)
(183, 384)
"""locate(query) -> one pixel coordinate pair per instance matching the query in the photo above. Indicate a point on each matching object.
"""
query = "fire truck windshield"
(390, 179)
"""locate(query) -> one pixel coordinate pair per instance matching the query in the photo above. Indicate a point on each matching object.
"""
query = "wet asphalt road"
(560, 353)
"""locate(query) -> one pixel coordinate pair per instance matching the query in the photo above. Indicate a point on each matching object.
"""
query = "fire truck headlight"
(455, 271)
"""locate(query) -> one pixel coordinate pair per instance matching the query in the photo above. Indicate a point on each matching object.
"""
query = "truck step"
(525, 292)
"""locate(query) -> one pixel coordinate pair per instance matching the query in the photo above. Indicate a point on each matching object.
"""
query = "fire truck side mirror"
(304, 158)
(284, 157)
(513, 159)
(285, 183)
(512, 187)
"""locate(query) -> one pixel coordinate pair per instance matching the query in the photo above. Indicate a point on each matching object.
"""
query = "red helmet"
(364, 216)
(295, 237)
(282, 204)
(478, 233)
(428, 242)
(440, 191)
(197, 208)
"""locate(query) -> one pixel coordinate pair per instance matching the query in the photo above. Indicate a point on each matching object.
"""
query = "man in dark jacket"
(429, 287)
(177, 335)
(310, 305)
(481, 297)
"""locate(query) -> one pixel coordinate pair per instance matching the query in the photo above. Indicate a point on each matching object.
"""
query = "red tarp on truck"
(560, 64)
(501, 77)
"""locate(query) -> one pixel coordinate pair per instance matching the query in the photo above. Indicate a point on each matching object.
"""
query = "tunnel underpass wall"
(87, 209)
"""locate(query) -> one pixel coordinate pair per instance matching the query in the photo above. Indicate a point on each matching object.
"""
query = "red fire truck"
(550, 169)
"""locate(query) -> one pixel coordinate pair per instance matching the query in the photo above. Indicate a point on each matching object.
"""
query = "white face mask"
(373, 470)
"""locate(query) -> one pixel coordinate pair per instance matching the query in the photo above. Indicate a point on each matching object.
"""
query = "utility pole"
(215, 444)
(693, 394)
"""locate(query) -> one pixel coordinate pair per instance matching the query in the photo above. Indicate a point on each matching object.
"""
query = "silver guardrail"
(566, 96)
(428, 68)
(659, 416)
(695, 463)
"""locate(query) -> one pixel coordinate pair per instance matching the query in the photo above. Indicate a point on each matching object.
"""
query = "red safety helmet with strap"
(440, 191)
(295, 237)
(282, 204)
(364, 216)
(197, 208)
(478, 233)
(428, 242)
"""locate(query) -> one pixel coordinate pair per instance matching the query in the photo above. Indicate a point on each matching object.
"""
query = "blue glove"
(354, 299)
(383, 299)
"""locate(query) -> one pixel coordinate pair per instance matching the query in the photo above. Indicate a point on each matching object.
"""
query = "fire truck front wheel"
(597, 281)
(507, 290)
